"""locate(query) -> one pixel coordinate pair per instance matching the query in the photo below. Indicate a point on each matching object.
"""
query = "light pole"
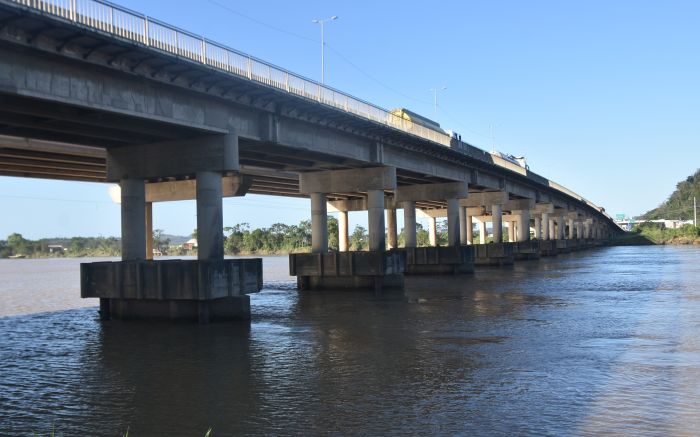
(435, 93)
(323, 44)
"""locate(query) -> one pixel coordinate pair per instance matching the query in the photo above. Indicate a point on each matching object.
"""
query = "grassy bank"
(653, 233)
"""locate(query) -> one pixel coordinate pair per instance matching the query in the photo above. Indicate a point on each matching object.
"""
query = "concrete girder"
(519, 204)
(440, 191)
(349, 181)
(540, 208)
(486, 198)
(218, 153)
(231, 186)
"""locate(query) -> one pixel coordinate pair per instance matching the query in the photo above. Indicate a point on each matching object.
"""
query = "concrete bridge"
(90, 91)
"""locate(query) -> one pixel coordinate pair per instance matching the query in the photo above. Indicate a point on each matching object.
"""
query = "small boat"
(18, 256)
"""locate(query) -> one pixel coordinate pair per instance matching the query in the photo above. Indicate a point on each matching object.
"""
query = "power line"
(262, 23)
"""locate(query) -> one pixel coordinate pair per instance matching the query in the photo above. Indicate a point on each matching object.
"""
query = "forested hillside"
(679, 205)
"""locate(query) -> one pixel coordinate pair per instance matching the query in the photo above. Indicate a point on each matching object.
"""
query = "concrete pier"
(493, 254)
(319, 223)
(343, 232)
(348, 270)
(409, 223)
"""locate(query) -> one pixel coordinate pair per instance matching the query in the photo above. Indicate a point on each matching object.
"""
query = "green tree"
(333, 233)
(160, 242)
(358, 238)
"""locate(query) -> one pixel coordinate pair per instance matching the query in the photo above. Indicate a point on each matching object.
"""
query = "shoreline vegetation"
(239, 240)
(281, 239)
(655, 233)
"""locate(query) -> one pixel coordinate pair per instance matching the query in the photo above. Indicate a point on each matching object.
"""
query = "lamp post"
(323, 44)
(435, 94)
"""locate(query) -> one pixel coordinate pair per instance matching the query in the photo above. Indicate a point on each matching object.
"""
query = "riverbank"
(647, 234)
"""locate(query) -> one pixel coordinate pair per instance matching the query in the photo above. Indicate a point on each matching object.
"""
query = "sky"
(601, 97)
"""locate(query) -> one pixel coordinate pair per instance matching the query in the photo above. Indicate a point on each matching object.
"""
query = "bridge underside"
(80, 104)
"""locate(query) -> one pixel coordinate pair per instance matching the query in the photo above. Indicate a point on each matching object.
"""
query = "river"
(605, 341)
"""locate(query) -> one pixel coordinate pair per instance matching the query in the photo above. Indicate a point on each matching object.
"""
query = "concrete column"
(470, 230)
(149, 230)
(538, 228)
(463, 225)
(133, 219)
(587, 230)
(524, 226)
(453, 222)
(560, 228)
(210, 216)
(409, 224)
(432, 231)
(545, 226)
(512, 231)
(319, 223)
(375, 219)
(391, 228)
(343, 231)
(552, 228)
(482, 232)
(571, 229)
(497, 222)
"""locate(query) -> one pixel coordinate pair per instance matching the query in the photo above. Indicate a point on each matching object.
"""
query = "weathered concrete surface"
(144, 161)
(439, 260)
(548, 248)
(493, 254)
(526, 250)
(173, 289)
(348, 181)
(441, 191)
(348, 270)
(171, 279)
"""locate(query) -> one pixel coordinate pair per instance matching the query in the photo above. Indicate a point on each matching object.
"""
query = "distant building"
(56, 248)
(190, 244)
(628, 224)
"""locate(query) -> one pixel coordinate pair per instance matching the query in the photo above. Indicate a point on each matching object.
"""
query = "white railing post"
(73, 12)
(145, 31)
(204, 52)
(286, 81)
(250, 68)
(111, 19)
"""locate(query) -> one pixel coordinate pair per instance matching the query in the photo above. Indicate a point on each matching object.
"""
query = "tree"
(160, 243)
(332, 233)
(358, 239)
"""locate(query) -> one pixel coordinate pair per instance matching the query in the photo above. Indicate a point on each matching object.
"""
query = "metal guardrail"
(122, 22)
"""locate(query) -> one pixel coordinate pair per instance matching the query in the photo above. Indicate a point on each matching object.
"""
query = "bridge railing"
(122, 22)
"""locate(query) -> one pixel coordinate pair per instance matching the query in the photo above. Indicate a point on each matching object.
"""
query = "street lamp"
(323, 44)
(435, 93)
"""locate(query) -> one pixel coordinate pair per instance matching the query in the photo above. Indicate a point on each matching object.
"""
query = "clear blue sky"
(600, 96)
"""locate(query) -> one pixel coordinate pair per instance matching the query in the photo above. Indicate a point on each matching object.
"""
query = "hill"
(680, 204)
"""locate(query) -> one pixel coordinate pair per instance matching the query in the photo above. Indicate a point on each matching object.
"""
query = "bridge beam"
(372, 180)
(450, 192)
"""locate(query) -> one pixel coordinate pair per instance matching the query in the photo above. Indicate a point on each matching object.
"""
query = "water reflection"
(585, 344)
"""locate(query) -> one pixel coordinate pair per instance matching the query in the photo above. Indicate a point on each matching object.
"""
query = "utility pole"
(695, 213)
(323, 44)
(435, 96)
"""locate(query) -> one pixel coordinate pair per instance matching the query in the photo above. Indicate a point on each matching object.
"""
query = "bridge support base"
(525, 250)
(348, 270)
(439, 260)
(493, 254)
(548, 248)
(197, 290)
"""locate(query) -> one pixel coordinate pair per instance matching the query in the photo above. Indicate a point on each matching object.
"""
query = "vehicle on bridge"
(517, 160)
(411, 117)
